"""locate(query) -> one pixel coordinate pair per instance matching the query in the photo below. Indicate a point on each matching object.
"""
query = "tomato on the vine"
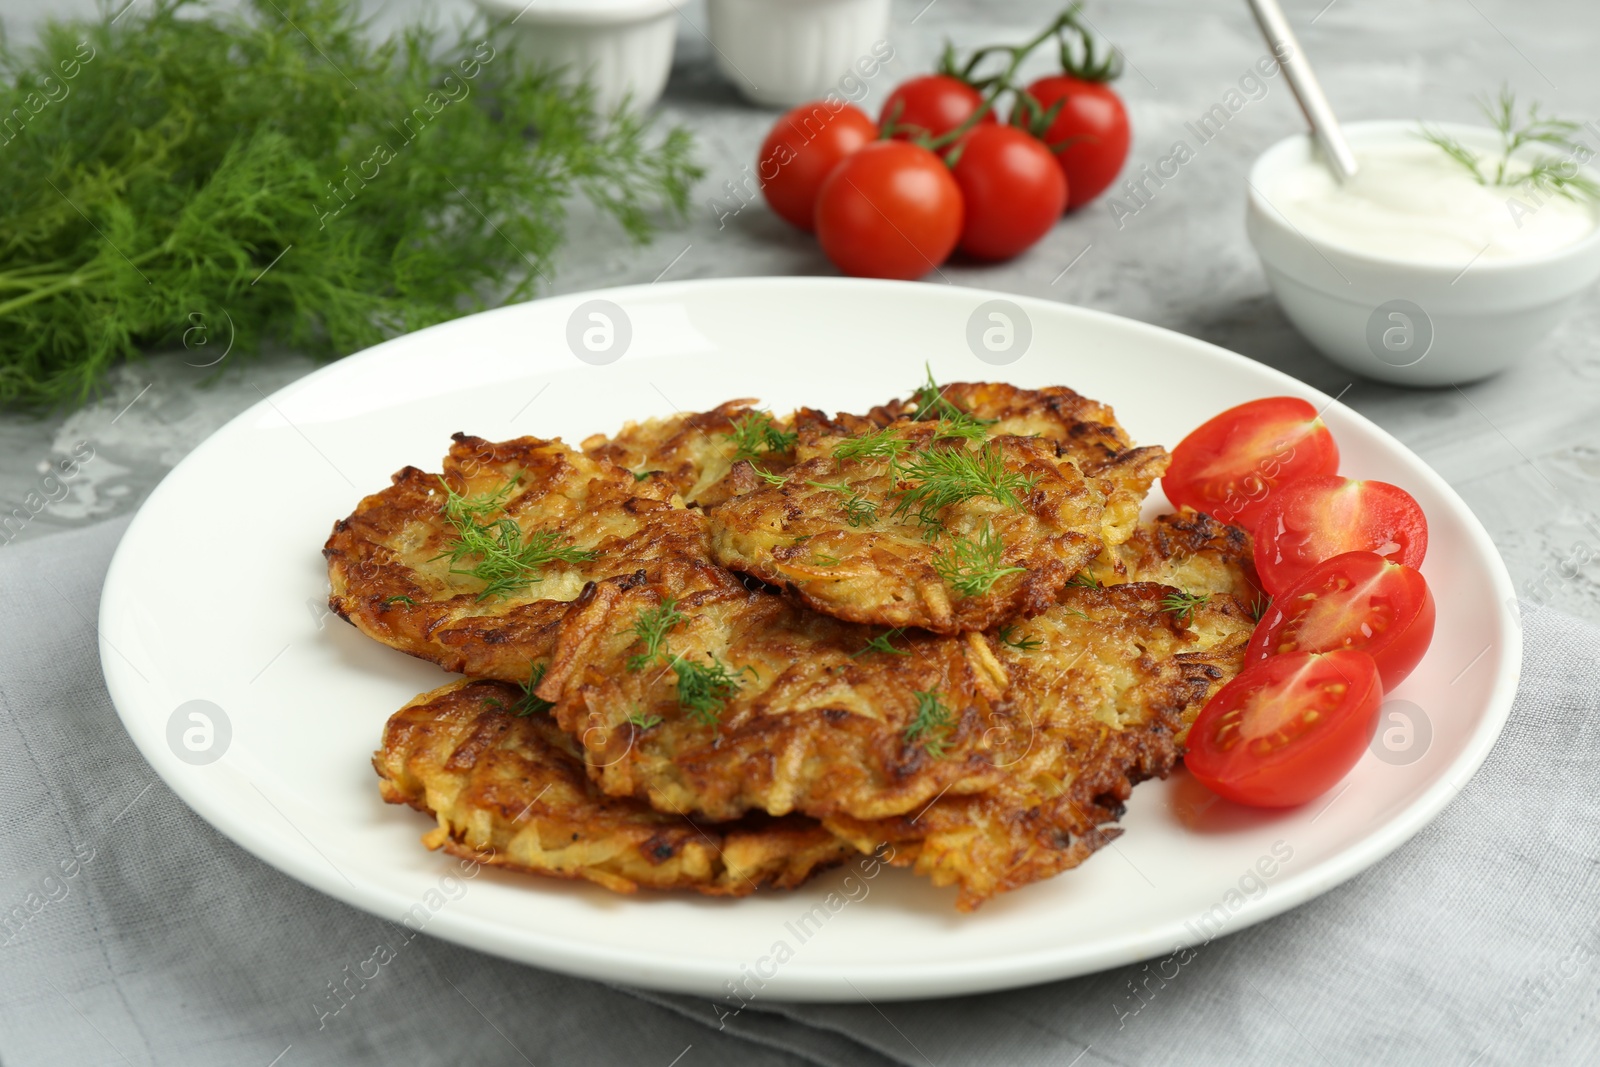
(1285, 730)
(801, 150)
(1090, 133)
(891, 210)
(931, 105)
(1011, 187)
(1232, 463)
(1318, 518)
(1359, 601)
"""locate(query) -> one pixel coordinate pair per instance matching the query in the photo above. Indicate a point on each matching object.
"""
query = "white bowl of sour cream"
(1414, 272)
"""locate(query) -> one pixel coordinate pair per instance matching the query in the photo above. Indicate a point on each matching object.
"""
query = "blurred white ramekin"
(785, 52)
(622, 48)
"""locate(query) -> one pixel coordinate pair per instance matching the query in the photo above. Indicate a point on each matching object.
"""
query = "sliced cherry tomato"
(1357, 600)
(933, 104)
(1232, 463)
(1011, 187)
(801, 149)
(891, 210)
(1286, 729)
(1091, 133)
(1314, 519)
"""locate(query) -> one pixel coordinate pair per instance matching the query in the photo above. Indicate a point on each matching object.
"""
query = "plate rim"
(801, 981)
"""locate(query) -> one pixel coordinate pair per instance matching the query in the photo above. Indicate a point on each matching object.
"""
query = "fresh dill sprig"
(1183, 604)
(963, 427)
(407, 601)
(769, 477)
(650, 629)
(822, 559)
(947, 476)
(1008, 637)
(704, 689)
(858, 510)
(932, 723)
(229, 177)
(971, 565)
(1259, 605)
(953, 422)
(508, 560)
(531, 703)
(879, 444)
(755, 435)
(1084, 580)
(881, 643)
(1562, 177)
(643, 721)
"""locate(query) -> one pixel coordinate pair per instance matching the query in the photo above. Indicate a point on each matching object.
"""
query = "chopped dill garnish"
(643, 721)
(1084, 580)
(881, 644)
(1259, 605)
(531, 704)
(755, 435)
(1562, 177)
(768, 476)
(962, 426)
(508, 561)
(971, 565)
(947, 476)
(650, 630)
(704, 690)
(932, 723)
(640, 476)
(822, 559)
(407, 601)
(1183, 604)
(879, 444)
(1008, 637)
(932, 405)
(858, 510)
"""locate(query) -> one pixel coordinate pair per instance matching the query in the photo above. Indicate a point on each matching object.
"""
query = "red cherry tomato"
(933, 104)
(1012, 189)
(1357, 600)
(1286, 729)
(891, 210)
(801, 149)
(1315, 519)
(1232, 463)
(1092, 130)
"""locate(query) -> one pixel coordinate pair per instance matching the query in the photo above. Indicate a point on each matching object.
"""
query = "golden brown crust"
(818, 723)
(511, 792)
(1108, 678)
(836, 534)
(391, 576)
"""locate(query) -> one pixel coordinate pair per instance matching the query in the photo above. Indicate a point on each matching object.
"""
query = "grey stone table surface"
(1523, 448)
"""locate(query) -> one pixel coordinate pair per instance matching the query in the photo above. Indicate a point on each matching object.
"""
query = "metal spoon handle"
(1307, 90)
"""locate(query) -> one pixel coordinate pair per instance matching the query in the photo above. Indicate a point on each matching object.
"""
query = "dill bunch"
(503, 557)
(277, 175)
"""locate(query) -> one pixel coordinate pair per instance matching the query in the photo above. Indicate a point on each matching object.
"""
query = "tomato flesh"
(1321, 517)
(891, 210)
(1091, 131)
(801, 150)
(1359, 601)
(1232, 464)
(1011, 188)
(1287, 729)
(931, 105)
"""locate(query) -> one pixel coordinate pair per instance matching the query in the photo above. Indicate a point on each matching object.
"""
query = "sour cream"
(1411, 202)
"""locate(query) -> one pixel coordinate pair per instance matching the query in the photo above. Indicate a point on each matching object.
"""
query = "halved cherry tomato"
(1286, 729)
(891, 210)
(801, 149)
(1315, 519)
(933, 104)
(1012, 189)
(1357, 600)
(1232, 463)
(1091, 131)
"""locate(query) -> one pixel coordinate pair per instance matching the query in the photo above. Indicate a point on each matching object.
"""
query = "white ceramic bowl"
(785, 52)
(1419, 324)
(622, 48)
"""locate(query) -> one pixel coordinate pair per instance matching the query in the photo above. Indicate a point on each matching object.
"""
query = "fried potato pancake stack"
(726, 650)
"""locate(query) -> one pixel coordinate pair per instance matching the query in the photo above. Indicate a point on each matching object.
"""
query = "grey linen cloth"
(131, 932)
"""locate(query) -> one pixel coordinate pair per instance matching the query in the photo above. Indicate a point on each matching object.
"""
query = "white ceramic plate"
(304, 696)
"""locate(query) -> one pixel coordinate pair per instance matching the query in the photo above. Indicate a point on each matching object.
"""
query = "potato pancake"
(510, 790)
(902, 528)
(1191, 550)
(1109, 677)
(749, 701)
(472, 569)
